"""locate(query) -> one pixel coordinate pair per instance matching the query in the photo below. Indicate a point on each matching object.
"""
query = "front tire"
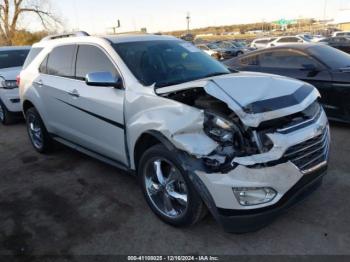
(6, 117)
(38, 135)
(168, 189)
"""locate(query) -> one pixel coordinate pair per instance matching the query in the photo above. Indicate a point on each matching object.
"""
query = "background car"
(339, 42)
(11, 61)
(227, 49)
(341, 33)
(261, 42)
(241, 44)
(322, 66)
(286, 40)
(211, 52)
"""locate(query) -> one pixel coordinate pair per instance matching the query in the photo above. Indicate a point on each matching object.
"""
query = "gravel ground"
(68, 203)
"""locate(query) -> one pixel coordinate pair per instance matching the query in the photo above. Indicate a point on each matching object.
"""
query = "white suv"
(11, 62)
(244, 146)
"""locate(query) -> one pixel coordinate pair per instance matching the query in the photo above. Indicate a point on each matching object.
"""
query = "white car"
(341, 33)
(244, 146)
(11, 62)
(286, 40)
(261, 43)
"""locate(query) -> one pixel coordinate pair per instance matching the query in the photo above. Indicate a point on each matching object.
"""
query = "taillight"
(18, 80)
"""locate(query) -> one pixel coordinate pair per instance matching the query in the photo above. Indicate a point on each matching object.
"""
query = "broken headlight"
(218, 128)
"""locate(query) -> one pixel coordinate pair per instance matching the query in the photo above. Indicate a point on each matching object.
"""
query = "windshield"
(12, 58)
(213, 46)
(334, 58)
(239, 44)
(165, 63)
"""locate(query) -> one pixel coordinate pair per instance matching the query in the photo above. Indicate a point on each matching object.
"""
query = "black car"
(323, 66)
(339, 42)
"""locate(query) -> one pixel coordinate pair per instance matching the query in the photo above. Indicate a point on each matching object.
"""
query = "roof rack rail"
(74, 34)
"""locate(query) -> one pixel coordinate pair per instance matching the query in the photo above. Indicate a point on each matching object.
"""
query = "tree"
(12, 11)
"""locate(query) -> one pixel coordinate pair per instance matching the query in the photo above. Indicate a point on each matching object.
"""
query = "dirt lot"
(68, 203)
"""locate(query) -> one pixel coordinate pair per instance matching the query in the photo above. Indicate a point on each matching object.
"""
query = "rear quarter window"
(33, 53)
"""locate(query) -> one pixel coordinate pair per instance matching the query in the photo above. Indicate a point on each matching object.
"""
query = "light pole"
(188, 18)
(325, 13)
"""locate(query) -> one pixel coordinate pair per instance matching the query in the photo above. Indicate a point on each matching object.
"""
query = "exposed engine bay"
(223, 126)
(235, 139)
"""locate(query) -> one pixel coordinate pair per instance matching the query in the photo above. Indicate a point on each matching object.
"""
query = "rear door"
(53, 85)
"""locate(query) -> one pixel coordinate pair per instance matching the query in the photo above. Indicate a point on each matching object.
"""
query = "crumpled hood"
(247, 88)
(10, 73)
(256, 97)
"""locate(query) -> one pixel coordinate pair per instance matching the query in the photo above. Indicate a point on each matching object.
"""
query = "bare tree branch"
(11, 12)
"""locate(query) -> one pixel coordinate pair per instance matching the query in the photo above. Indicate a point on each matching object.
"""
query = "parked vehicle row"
(221, 50)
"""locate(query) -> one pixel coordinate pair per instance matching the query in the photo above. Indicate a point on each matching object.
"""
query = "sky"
(98, 16)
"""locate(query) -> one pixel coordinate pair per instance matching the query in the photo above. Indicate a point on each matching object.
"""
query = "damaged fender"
(180, 124)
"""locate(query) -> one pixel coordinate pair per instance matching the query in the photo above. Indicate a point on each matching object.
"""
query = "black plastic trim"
(121, 126)
(277, 103)
(117, 162)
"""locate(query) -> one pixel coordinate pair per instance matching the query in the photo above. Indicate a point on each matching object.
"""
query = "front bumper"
(238, 221)
(10, 98)
(302, 162)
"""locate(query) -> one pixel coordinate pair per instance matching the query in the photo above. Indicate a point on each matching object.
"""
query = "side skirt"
(93, 154)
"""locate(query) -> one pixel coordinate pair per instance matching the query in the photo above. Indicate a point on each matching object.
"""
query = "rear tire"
(38, 135)
(6, 117)
(167, 188)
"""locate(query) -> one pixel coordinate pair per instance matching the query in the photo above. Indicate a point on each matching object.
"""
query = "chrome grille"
(311, 154)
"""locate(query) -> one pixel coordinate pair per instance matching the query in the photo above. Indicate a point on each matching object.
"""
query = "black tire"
(6, 117)
(47, 143)
(239, 53)
(196, 209)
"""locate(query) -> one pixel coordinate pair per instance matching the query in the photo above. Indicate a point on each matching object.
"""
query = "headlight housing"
(9, 84)
(218, 128)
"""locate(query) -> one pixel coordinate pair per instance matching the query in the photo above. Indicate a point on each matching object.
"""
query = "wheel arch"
(26, 105)
(147, 140)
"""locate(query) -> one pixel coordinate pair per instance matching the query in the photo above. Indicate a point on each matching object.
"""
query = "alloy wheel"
(166, 187)
(35, 131)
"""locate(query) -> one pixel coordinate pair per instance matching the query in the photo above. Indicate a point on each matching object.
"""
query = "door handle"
(39, 82)
(74, 93)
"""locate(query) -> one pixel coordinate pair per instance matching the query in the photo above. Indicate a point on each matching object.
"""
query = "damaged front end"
(247, 130)
(266, 143)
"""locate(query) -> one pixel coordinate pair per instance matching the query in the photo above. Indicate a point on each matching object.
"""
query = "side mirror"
(102, 79)
(309, 67)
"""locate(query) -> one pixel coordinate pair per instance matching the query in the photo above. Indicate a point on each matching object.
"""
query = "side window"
(60, 62)
(286, 60)
(92, 59)
(43, 66)
(252, 60)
